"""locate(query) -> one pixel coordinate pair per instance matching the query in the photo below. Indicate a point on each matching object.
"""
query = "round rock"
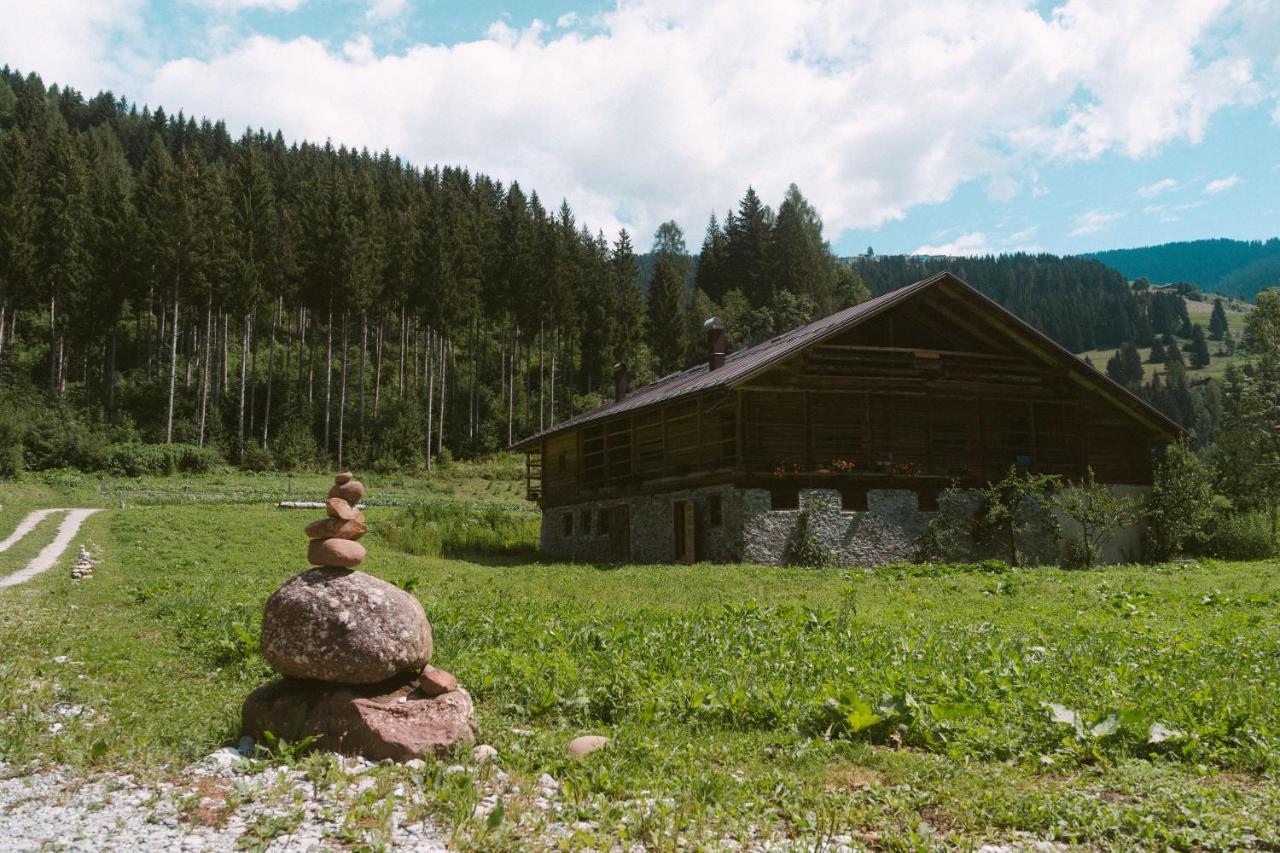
(586, 745)
(341, 626)
(340, 553)
(342, 479)
(336, 528)
(339, 508)
(351, 492)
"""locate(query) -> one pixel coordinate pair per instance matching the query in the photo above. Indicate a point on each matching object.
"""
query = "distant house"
(860, 419)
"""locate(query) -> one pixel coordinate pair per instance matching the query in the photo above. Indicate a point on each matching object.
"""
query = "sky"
(928, 126)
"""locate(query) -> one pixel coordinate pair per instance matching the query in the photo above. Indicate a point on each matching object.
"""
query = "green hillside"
(1233, 267)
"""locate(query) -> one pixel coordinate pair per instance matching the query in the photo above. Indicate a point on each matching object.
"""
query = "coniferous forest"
(278, 304)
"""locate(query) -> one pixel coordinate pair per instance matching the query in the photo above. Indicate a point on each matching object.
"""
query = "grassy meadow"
(1199, 312)
(914, 707)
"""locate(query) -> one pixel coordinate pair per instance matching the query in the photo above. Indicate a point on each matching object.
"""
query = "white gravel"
(216, 806)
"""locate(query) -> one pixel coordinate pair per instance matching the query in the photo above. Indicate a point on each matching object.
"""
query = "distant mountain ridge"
(1234, 267)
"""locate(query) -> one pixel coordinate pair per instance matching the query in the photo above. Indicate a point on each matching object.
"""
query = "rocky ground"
(225, 802)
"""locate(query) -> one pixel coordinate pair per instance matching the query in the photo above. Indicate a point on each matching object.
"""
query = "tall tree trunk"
(173, 366)
(328, 377)
(511, 386)
(342, 397)
(3, 306)
(542, 384)
(431, 387)
(53, 344)
(443, 382)
(555, 345)
(253, 374)
(271, 360)
(111, 373)
(206, 372)
(244, 380)
(404, 339)
(377, 364)
(364, 351)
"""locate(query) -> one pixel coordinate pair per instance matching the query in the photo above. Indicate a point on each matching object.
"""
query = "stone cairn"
(84, 565)
(354, 652)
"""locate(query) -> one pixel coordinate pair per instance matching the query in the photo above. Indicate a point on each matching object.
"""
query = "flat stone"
(340, 508)
(337, 625)
(434, 681)
(587, 744)
(351, 492)
(342, 479)
(340, 553)
(336, 528)
(392, 720)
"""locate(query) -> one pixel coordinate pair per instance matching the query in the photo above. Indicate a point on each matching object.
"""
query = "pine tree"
(748, 238)
(666, 320)
(713, 262)
(1218, 320)
(1125, 367)
(629, 334)
(1199, 348)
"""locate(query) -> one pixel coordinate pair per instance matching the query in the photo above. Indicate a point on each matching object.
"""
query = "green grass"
(906, 708)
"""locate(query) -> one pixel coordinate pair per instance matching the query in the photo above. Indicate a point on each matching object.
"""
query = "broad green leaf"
(955, 710)
(1159, 733)
(1106, 727)
(860, 716)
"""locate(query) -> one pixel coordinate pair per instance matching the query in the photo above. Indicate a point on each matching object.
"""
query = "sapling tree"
(1181, 503)
(1098, 513)
(1017, 508)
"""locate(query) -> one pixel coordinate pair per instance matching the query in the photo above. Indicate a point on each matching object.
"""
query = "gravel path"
(25, 526)
(220, 804)
(48, 555)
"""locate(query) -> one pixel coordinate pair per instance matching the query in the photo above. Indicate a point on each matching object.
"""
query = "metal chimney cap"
(712, 323)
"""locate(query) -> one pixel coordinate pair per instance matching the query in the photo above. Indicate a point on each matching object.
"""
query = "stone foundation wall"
(885, 532)
(652, 525)
(750, 531)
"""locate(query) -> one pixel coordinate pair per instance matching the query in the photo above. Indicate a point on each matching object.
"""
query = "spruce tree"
(1218, 320)
(629, 334)
(748, 236)
(666, 320)
(1125, 367)
(1199, 348)
(1157, 354)
(713, 262)
(800, 261)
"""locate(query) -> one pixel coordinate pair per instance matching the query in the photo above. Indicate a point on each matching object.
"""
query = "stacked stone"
(84, 565)
(354, 652)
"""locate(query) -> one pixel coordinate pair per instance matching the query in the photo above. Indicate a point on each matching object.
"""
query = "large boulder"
(392, 720)
(337, 625)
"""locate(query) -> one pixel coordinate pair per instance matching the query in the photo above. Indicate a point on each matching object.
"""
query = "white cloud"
(1221, 184)
(381, 11)
(242, 5)
(70, 42)
(1153, 190)
(659, 109)
(979, 243)
(1092, 221)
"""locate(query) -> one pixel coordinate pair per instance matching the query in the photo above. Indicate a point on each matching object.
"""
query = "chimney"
(619, 381)
(716, 342)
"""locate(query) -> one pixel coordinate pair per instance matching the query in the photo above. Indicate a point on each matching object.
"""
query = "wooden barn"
(860, 418)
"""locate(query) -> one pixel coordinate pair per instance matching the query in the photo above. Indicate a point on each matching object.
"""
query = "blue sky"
(988, 125)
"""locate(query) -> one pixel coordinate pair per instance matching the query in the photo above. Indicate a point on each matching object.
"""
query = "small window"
(566, 523)
(784, 498)
(602, 521)
(853, 500)
(715, 514)
(586, 522)
(927, 500)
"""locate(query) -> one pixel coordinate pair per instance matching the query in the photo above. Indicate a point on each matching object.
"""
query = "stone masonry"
(750, 531)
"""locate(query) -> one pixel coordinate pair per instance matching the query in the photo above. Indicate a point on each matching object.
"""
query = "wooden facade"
(931, 386)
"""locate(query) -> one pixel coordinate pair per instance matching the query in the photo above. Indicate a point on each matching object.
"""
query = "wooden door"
(619, 534)
(685, 531)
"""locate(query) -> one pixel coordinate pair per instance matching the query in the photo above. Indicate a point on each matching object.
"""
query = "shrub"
(1181, 503)
(10, 449)
(1241, 536)
(257, 458)
(805, 549)
(1098, 513)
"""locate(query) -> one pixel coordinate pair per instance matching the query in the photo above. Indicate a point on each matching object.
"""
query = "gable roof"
(747, 363)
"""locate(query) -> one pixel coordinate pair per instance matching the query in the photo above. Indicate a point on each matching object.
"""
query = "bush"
(1181, 503)
(257, 458)
(10, 449)
(134, 459)
(1241, 536)
(805, 549)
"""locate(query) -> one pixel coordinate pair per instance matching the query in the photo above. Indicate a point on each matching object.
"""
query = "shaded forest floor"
(908, 708)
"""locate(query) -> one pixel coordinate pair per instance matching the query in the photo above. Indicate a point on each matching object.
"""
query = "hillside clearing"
(910, 707)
